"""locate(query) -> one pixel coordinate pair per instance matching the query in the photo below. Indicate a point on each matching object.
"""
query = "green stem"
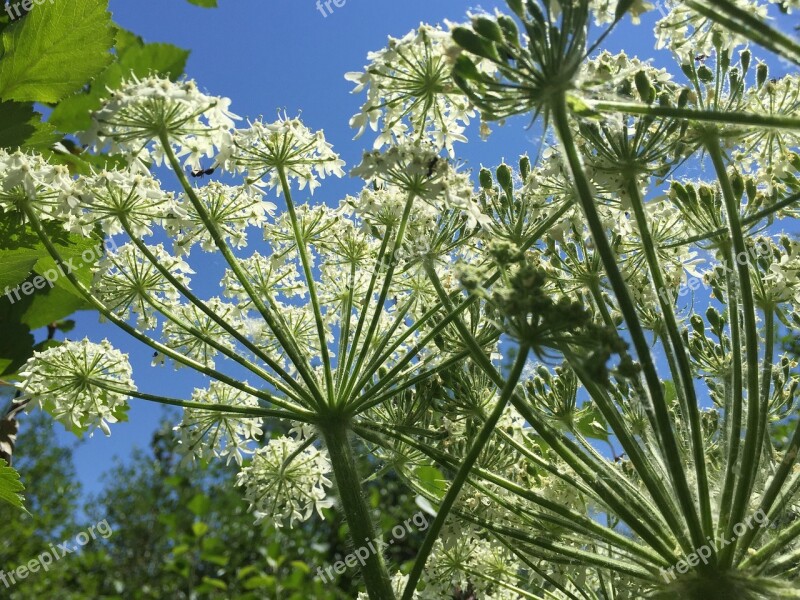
(670, 450)
(751, 451)
(299, 394)
(247, 411)
(344, 336)
(754, 218)
(312, 288)
(675, 341)
(335, 432)
(397, 244)
(602, 480)
(376, 363)
(463, 472)
(733, 407)
(689, 114)
(33, 219)
(774, 491)
(568, 519)
(288, 344)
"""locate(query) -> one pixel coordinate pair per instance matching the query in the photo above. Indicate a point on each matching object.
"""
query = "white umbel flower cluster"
(29, 178)
(286, 481)
(206, 434)
(688, 33)
(409, 88)
(262, 149)
(77, 383)
(139, 110)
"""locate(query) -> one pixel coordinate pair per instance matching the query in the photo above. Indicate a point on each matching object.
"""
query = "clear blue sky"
(268, 55)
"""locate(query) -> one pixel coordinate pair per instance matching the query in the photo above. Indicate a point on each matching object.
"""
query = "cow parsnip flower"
(261, 150)
(417, 168)
(605, 10)
(190, 327)
(270, 276)
(71, 382)
(410, 92)
(232, 209)
(120, 201)
(129, 284)
(689, 34)
(207, 434)
(27, 178)
(137, 112)
(286, 481)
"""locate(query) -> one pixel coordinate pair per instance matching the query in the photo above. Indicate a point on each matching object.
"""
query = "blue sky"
(269, 56)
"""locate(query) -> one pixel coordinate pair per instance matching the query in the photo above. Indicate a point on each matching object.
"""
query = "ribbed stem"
(335, 433)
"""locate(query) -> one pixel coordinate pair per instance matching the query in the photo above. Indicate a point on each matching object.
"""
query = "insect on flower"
(200, 172)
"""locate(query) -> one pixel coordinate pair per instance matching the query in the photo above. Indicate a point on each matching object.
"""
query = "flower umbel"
(287, 481)
(76, 382)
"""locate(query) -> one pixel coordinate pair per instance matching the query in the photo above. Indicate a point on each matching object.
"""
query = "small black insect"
(701, 57)
(432, 166)
(200, 172)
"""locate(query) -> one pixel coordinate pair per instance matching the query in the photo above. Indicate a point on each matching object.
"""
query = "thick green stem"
(335, 433)
(733, 405)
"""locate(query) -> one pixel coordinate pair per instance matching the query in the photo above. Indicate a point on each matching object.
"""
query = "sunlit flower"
(287, 481)
(205, 434)
(82, 384)
(262, 150)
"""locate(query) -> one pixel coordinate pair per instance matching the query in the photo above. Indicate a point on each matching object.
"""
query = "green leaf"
(259, 582)
(20, 248)
(10, 486)
(199, 528)
(432, 480)
(204, 3)
(24, 307)
(199, 505)
(54, 50)
(21, 126)
(74, 113)
(215, 583)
